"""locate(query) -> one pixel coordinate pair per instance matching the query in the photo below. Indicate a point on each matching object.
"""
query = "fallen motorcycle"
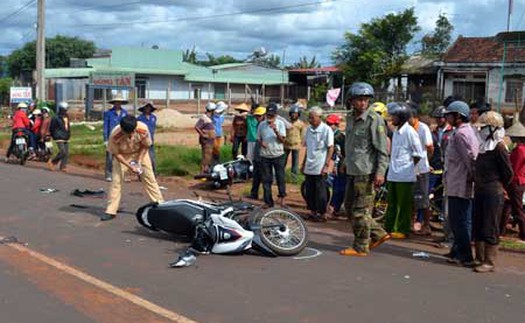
(238, 170)
(230, 227)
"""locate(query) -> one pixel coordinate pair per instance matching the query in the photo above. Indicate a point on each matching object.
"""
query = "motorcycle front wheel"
(284, 232)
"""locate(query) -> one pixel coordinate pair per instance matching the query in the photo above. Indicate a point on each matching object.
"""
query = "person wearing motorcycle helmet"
(35, 131)
(462, 151)
(46, 122)
(380, 108)
(365, 166)
(493, 173)
(61, 132)
(206, 130)
(440, 134)
(218, 122)
(406, 153)
(112, 119)
(294, 137)
(20, 122)
(271, 135)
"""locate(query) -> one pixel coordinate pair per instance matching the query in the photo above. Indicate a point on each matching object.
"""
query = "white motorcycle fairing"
(230, 236)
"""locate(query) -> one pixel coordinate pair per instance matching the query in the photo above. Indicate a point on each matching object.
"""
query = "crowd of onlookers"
(464, 155)
(460, 155)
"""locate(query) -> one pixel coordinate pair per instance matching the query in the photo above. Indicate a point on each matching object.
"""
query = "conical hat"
(517, 129)
(242, 107)
(119, 98)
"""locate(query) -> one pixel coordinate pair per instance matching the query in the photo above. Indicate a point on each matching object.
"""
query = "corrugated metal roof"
(230, 65)
(166, 62)
(67, 72)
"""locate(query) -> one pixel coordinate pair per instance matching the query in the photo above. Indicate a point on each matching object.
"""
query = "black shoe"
(107, 217)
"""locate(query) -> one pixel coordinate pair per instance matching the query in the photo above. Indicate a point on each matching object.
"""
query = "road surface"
(67, 266)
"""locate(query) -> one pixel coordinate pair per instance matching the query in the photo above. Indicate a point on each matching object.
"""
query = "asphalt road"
(70, 267)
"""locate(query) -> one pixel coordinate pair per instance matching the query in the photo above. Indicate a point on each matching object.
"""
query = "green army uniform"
(366, 157)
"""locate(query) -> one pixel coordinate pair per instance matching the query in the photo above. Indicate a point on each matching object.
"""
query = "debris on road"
(48, 190)
(420, 254)
(100, 193)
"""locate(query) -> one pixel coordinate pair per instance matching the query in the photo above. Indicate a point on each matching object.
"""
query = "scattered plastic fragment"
(420, 254)
(48, 190)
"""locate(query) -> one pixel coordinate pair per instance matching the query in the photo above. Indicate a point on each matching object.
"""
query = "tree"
(190, 56)
(59, 50)
(5, 86)
(378, 50)
(305, 63)
(436, 43)
(219, 60)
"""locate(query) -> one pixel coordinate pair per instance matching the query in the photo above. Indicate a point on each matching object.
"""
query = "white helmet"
(221, 106)
(37, 111)
(63, 105)
(22, 105)
(210, 106)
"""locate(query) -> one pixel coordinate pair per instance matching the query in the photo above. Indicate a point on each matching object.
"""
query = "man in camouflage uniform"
(129, 144)
(366, 163)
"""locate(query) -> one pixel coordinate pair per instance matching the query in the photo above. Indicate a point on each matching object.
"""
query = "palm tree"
(305, 63)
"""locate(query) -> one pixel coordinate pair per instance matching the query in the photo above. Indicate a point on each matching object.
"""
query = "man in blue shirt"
(150, 120)
(112, 119)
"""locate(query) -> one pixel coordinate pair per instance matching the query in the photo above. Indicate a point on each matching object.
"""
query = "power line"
(120, 5)
(143, 22)
(17, 11)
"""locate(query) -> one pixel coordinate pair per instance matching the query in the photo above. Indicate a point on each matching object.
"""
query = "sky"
(291, 28)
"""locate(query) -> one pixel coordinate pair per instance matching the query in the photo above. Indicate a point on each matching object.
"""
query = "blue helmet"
(459, 107)
(360, 89)
(296, 108)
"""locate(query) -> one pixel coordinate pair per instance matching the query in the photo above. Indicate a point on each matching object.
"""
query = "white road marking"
(316, 253)
(102, 285)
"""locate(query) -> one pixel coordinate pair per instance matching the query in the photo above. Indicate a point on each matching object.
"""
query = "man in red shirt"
(20, 121)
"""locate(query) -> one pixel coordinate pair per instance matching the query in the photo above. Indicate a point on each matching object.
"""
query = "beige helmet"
(517, 130)
(491, 118)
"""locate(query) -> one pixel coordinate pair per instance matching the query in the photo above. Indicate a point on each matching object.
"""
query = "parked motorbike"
(20, 148)
(44, 149)
(238, 170)
(231, 227)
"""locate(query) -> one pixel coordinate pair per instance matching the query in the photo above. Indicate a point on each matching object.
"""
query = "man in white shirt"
(406, 153)
(422, 186)
(319, 143)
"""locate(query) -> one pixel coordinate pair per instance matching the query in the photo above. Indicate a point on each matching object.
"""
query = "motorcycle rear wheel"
(283, 231)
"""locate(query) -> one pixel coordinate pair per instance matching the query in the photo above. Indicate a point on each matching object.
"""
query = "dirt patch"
(170, 118)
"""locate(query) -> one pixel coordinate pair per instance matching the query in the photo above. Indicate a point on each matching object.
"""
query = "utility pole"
(41, 53)
(509, 15)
